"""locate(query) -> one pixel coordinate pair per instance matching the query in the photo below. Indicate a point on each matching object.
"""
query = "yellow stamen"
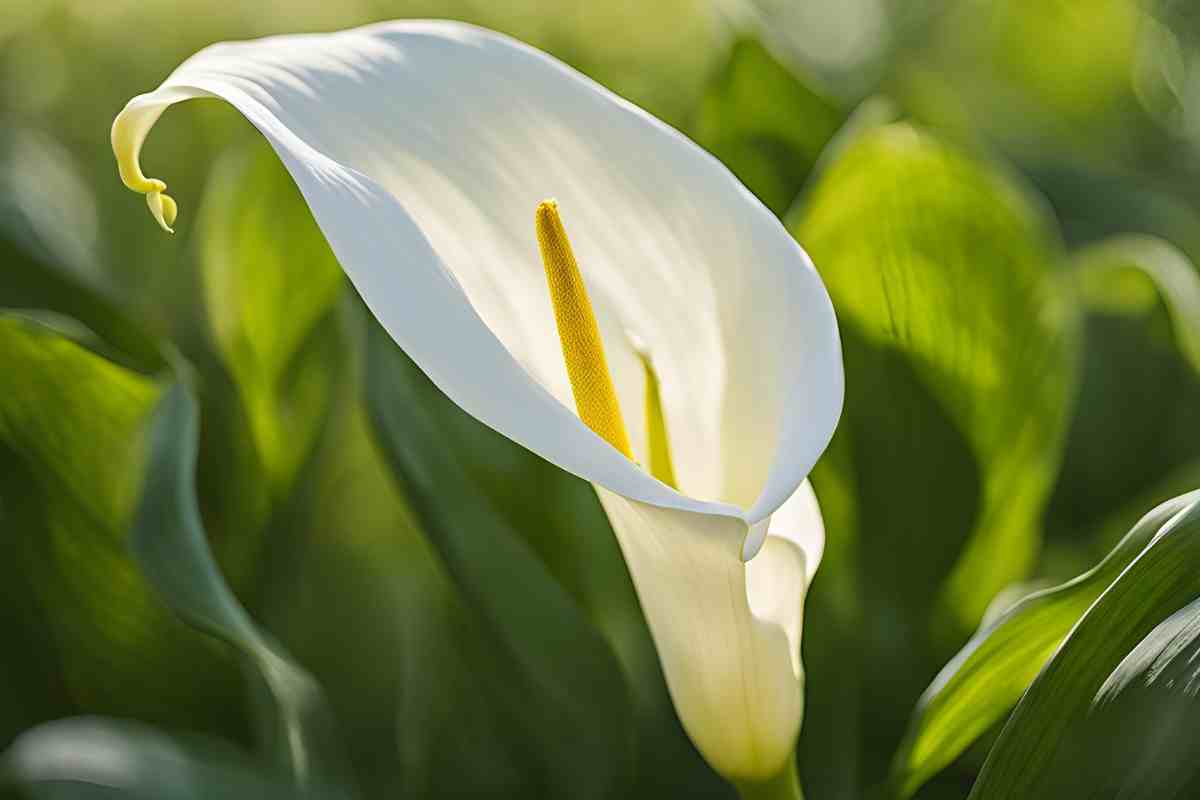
(582, 347)
(656, 429)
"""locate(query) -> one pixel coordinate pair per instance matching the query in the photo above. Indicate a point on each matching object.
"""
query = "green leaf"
(985, 679)
(170, 545)
(71, 434)
(959, 344)
(765, 123)
(271, 285)
(93, 758)
(1040, 751)
(567, 695)
(1132, 272)
(1136, 421)
(359, 594)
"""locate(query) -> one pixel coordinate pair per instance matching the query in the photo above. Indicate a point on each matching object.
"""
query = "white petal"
(799, 521)
(423, 148)
(730, 650)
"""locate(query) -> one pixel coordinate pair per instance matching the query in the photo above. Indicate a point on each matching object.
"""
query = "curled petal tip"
(163, 209)
(127, 136)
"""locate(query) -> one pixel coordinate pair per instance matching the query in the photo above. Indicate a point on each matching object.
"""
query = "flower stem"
(783, 786)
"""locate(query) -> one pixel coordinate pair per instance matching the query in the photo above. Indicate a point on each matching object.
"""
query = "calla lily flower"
(425, 151)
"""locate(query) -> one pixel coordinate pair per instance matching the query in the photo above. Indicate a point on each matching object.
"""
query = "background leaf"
(765, 123)
(1135, 435)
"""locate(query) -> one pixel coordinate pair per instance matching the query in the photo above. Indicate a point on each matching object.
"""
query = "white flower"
(423, 149)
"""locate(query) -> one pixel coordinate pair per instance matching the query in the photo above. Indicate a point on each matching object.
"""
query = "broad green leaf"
(765, 123)
(270, 282)
(169, 542)
(959, 345)
(568, 695)
(987, 677)
(1044, 746)
(93, 758)
(71, 430)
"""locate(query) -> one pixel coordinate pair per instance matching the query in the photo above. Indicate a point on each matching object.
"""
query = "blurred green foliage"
(1001, 198)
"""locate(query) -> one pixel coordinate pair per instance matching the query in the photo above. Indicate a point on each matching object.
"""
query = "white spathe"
(423, 149)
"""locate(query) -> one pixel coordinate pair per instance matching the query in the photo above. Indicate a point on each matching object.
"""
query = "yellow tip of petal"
(126, 142)
(163, 209)
(578, 332)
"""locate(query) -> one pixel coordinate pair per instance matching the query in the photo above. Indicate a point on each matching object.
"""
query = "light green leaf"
(1044, 747)
(170, 545)
(765, 123)
(71, 427)
(986, 678)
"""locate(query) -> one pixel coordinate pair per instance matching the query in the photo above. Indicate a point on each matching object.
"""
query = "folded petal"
(423, 148)
(727, 632)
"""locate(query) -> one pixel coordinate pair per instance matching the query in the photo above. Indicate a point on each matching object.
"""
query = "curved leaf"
(1137, 419)
(987, 677)
(169, 543)
(1037, 753)
(1103, 270)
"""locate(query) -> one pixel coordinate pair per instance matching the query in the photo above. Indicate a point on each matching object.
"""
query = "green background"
(364, 593)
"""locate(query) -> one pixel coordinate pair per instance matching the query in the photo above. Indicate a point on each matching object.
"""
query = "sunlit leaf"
(71, 425)
(1046, 745)
(987, 677)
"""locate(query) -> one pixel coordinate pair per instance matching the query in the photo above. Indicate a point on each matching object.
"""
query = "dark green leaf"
(568, 697)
